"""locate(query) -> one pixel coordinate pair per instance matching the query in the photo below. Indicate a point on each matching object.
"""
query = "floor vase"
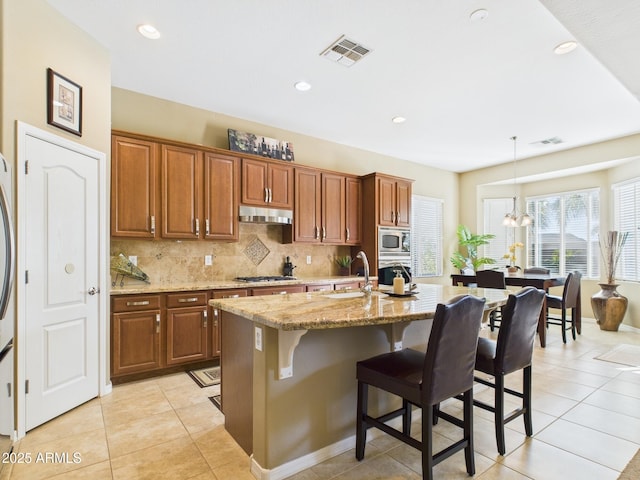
(609, 307)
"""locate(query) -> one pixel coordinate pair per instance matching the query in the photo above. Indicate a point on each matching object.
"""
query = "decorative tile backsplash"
(256, 251)
(260, 251)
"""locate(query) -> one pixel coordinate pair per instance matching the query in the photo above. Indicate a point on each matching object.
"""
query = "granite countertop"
(321, 310)
(142, 288)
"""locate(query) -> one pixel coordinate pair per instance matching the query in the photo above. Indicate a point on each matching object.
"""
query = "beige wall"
(476, 185)
(36, 37)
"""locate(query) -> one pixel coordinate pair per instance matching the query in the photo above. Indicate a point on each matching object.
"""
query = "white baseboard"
(314, 458)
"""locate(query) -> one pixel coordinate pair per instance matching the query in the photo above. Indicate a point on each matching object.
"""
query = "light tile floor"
(586, 426)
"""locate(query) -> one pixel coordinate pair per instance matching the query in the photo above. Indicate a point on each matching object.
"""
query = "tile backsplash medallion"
(260, 251)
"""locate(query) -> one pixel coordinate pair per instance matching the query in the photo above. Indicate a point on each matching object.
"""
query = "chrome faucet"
(367, 284)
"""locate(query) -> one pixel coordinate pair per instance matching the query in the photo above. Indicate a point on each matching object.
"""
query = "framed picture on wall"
(64, 103)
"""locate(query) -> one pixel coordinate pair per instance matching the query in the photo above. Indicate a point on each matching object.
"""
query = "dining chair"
(511, 352)
(425, 380)
(568, 300)
(491, 279)
(537, 271)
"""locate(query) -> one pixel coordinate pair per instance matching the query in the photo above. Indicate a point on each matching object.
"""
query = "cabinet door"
(133, 188)
(333, 209)
(135, 342)
(403, 204)
(307, 219)
(386, 201)
(214, 325)
(221, 194)
(254, 182)
(181, 192)
(280, 184)
(187, 335)
(353, 211)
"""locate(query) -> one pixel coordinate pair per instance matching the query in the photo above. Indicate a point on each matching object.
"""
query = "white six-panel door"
(61, 223)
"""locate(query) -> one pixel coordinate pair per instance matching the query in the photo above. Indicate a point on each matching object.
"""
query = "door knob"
(93, 291)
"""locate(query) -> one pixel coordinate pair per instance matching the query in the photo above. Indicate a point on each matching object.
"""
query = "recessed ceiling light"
(148, 31)
(565, 47)
(302, 86)
(398, 119)
(478, 15)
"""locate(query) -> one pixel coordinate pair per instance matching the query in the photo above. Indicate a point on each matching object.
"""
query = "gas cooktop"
(267, 278)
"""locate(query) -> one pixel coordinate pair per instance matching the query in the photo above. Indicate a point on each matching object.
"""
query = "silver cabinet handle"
(284, 292)
(324, 233)
(197, 227)
(138, 304)
(215, 312)
(188, 300)
(157, 323)
(153, 224)
(348, 234)
(206, 227)
(316, 232)
(266, 195)
(397, 218)
(235, 295)
(204, 317)
(93, 291)
(270, 195)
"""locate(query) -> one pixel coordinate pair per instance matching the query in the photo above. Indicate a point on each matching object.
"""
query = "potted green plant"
(345, 265)
(470, 242)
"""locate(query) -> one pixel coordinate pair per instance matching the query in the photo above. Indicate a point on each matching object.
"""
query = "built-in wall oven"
(394, 252)
(7, 310)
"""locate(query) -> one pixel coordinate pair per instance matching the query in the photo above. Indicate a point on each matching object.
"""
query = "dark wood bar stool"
(569, 300)
(425, 380)
(492, 279)
(511, 352)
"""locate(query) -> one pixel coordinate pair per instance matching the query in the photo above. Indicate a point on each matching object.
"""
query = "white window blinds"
(564, 235)
(626, 208)
(426, 236)
(494, 212)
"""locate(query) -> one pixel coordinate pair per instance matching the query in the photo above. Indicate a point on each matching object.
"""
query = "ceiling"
(465, 87)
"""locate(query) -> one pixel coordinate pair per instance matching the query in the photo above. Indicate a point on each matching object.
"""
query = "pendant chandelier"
(514, 218)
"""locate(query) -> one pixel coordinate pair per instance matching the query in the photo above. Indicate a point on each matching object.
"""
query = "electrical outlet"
(133, 259)
(308, 259)
(208, 260)
(258, 334)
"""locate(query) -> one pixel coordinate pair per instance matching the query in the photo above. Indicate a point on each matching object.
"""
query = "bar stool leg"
(526, 400)
(361, 428)
(499, 412)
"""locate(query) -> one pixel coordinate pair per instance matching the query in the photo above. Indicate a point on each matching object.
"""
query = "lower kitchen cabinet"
(187, 327)
(215, 317)
(135, 334)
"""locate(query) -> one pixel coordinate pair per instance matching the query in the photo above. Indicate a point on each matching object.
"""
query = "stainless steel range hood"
(265, 215)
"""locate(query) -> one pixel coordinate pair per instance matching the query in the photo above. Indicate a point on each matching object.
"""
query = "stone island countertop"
(323, 310)
(141, 288)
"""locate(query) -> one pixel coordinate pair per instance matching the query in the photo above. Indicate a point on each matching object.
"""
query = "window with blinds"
(564, 235)
(626, 213)
(494, 212)
(426, 236)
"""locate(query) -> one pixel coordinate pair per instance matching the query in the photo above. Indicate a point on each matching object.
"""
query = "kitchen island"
(288, 366)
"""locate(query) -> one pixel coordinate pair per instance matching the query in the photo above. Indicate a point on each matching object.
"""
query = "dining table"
(541, 281)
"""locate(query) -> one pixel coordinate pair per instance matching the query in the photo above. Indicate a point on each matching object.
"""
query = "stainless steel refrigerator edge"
(7, 310)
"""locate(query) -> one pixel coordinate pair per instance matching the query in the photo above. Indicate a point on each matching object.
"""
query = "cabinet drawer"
(347, 286)
(230, 293)
(277, 290)
(186, 299)
(319, 287)
(134, 303)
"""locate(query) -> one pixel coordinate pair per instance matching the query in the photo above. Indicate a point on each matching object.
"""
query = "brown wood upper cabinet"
(267, 183)
(172, 190)
(133, 188)
(394, 201)
(321, 209)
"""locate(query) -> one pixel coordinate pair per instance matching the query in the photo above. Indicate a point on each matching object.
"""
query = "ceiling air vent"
(548, 141)
(345, 52)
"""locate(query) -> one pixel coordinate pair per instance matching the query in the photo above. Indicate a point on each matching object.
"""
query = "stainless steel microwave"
(394, 243)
